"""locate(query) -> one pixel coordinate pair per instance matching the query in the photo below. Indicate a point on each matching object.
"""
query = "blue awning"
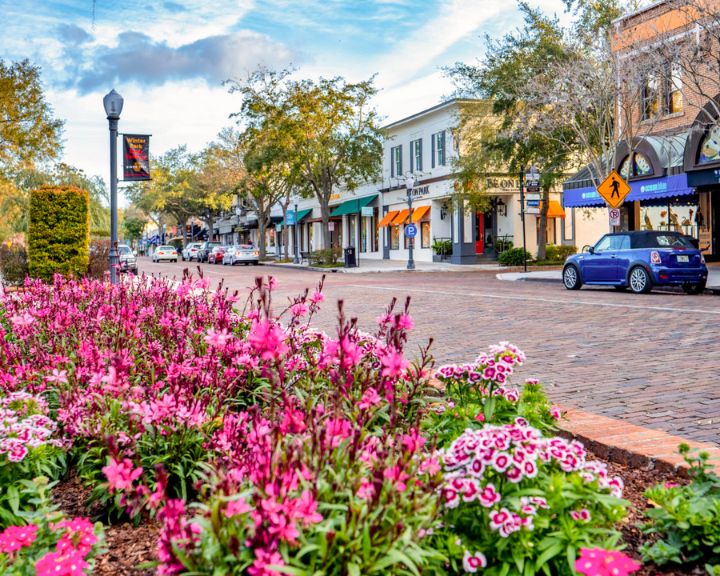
(649, 189)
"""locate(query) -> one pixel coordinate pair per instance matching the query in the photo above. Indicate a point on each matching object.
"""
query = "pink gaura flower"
(121, 475)
(397, 477)
(57, 377)
(217, 339)
(263, 561)
(305, 509)
(369, 399)
(405, 322)
(393, 363)
(299, 309)
(237, 507)
(267, 339)
(471, 562)
(366, 490)
(317, 297)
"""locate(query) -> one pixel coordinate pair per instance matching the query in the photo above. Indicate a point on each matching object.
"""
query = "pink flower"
(555, 413)
(121, 475)
(471, 562)
(599, 562)
(317, 297)
(394, 364)
(57, 564)
(397, 477)
(384, 319)
(15, 537)
(57, 376)
(405, 322)
(267, 339)
(581, 515)
(489, 496)
(366, 490)
(369, 399)
(237, 507)
(299, 309)
(305, 509)
(263, 560)
(217, 339)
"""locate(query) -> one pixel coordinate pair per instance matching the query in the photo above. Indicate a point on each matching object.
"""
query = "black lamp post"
(113, 104)
(296, 258)
(410, 184)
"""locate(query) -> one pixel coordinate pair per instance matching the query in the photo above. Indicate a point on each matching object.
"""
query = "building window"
(673, 90)
(394, 237)
(438, 149)
(396, 161)
(416, 155)
(649, 98)
(425, 234)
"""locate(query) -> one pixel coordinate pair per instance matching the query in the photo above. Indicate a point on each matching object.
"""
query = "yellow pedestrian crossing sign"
(614, 189)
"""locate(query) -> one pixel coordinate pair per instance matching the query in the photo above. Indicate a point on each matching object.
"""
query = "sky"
(169, 58)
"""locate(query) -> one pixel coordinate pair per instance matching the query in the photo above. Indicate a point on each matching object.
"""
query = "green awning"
(301, 214)
(352, 206)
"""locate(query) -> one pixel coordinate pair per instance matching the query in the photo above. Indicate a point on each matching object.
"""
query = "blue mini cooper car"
(639, 261)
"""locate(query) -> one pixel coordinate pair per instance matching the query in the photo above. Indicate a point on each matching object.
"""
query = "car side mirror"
(591, 249)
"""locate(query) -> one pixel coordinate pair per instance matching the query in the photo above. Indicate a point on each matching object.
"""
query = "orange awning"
(419, 213)
(389, 217)
(401, 218)
(555, 210)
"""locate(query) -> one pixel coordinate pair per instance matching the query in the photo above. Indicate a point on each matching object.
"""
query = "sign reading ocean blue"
(645, 189)
(411, 230)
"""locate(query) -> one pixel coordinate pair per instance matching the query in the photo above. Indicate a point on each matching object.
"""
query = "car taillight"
(702, 259)
(655, 257)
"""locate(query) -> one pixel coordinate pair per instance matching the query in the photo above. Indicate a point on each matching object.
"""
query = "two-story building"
(373, 218)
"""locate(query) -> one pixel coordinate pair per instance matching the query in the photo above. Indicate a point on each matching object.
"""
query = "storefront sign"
(503, 183)
(290, 217)
(367, 210)
(331, 226)
(532, 197)
(136, 157)
(420, 191)
(647, 189)
(703, 177)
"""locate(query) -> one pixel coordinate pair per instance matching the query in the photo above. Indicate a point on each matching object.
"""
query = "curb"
(631, 445)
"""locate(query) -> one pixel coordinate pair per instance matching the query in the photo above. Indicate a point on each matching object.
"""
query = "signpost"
(614, 214)
(614, 190)
(136, 157)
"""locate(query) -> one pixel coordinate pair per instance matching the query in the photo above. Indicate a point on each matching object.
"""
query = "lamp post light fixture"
(410, 184)
(113, 104)
(296, 258)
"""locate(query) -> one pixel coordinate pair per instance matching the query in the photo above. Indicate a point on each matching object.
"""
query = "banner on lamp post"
(136, 157)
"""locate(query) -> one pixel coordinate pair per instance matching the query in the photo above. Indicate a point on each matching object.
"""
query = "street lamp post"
(296, 258)
(113, 104)
(533, 180)
(410, 184)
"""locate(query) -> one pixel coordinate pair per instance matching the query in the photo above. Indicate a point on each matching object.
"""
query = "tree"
(331, 132)
(510, 64)
(134, 221)
(28, 132)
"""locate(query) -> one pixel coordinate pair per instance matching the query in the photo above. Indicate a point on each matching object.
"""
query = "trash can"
(350, 261)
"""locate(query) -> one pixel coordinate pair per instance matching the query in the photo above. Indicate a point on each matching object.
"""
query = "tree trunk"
(262, 227)
(285, 232)
(542, 236)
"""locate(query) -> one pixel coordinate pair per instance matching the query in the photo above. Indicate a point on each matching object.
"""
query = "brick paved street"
(653, 360)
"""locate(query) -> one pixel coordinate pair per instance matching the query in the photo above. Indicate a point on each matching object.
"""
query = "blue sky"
(168, 58)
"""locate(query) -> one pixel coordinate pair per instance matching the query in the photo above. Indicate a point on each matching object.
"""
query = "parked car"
(205, 249)
(242, 254)
(639, 260)
(190, 251)
(167, 252)
(128, 260)
(216, 255)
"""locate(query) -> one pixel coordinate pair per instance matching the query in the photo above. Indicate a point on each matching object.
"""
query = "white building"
(373, 218)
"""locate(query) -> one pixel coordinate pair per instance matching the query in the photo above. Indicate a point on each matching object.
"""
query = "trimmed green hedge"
(558, 253)
(58, 231)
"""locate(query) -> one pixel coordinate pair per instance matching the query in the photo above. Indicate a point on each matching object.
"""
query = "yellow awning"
(555, 210)
(401, 218)
(389, 217)
(419, 213)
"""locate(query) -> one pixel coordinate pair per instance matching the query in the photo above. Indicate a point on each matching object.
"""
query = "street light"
(410, 184)
(296, 199)
(113, 104)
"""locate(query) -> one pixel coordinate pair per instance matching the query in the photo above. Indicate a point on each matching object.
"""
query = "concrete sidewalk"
(713, 282)
(372, 266)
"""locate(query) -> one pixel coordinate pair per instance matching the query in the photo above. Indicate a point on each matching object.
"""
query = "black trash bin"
(350, 261)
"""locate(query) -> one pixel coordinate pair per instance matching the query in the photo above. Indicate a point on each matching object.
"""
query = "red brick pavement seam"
(631, 445)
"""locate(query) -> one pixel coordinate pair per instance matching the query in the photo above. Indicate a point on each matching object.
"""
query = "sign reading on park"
(614, 190)
(136, 157)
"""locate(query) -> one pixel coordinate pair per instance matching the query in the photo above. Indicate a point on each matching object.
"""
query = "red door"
(479, 233)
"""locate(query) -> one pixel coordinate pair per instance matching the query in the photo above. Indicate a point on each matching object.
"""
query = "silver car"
(128, 260)
(241, 254)
(190, 251)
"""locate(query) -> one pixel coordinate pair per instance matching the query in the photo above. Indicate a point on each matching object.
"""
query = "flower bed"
(260, 445)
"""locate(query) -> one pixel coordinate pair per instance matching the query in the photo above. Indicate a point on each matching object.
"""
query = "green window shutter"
(392, 162)
(400, 170)
(432, 151)
(420, 156)
(412, 155)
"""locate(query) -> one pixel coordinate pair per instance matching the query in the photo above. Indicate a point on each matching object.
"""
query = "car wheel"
(640, 281)
(571, 277)
(698, 288)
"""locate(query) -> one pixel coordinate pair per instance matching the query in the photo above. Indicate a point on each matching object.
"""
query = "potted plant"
(442, 248)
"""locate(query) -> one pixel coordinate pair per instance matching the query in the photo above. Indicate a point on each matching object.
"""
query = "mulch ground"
(130, 548)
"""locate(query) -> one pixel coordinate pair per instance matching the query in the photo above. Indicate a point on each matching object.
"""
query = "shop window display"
(710, 147)
(425, 240)
(395, 238)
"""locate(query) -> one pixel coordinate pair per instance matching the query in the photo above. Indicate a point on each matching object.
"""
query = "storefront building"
(373, 218)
